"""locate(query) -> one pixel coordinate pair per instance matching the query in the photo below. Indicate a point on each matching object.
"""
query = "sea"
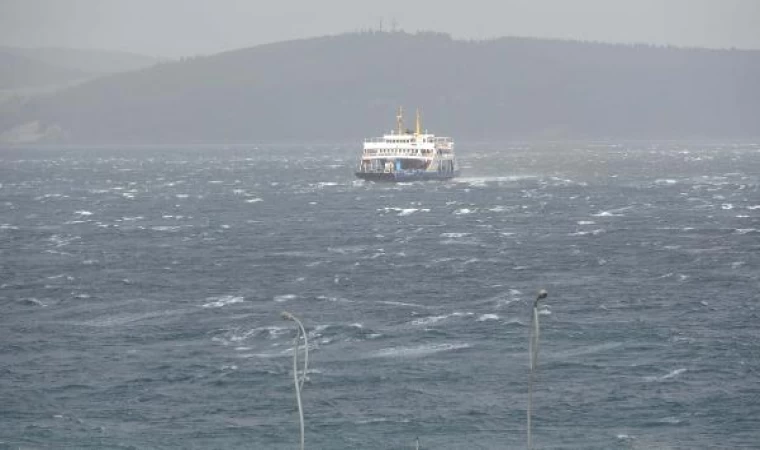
(142, 292)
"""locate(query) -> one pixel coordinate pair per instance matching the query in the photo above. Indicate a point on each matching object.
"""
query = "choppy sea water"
(141, 292)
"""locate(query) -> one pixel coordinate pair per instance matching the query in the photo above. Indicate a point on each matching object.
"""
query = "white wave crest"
(334, 299)
(395, 303)
(613, 212)
(667, 376)
(284, 297)
(403, 211)
(407, 211)
(218, 302)
(170, 228)
(418, 351)
(429, 320)
(434, 319)
(485, 317)
(586, 233)
(454, 235)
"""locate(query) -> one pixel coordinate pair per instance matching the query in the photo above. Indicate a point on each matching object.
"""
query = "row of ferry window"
(398, 152)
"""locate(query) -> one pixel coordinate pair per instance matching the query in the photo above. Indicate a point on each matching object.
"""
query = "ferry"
(406, 155)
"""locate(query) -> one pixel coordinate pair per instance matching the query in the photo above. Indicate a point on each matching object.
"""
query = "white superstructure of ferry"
(406, 155)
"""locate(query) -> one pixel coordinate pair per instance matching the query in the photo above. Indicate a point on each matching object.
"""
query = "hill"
(84, 60)
(34, 70)
(344, 87)
(21, 72)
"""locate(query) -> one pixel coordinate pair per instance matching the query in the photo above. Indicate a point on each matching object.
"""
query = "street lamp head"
(542, 294)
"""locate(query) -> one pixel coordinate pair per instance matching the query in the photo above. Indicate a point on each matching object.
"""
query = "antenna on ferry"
(418, 129)
(400, 119)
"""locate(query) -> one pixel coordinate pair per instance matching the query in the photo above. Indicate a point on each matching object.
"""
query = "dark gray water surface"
(141, 292)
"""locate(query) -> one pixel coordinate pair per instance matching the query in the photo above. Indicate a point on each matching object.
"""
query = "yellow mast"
(400, 120)
(418, 128)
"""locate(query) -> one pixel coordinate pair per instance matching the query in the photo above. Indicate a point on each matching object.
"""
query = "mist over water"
(142, 290)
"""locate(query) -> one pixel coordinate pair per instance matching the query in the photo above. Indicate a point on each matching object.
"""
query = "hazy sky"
(188, 27)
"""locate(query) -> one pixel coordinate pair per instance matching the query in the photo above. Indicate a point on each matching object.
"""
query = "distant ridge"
(19, 71)
(344, 87)
(84, 60)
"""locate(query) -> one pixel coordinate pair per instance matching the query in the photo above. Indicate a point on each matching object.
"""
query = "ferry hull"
(396, 177)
